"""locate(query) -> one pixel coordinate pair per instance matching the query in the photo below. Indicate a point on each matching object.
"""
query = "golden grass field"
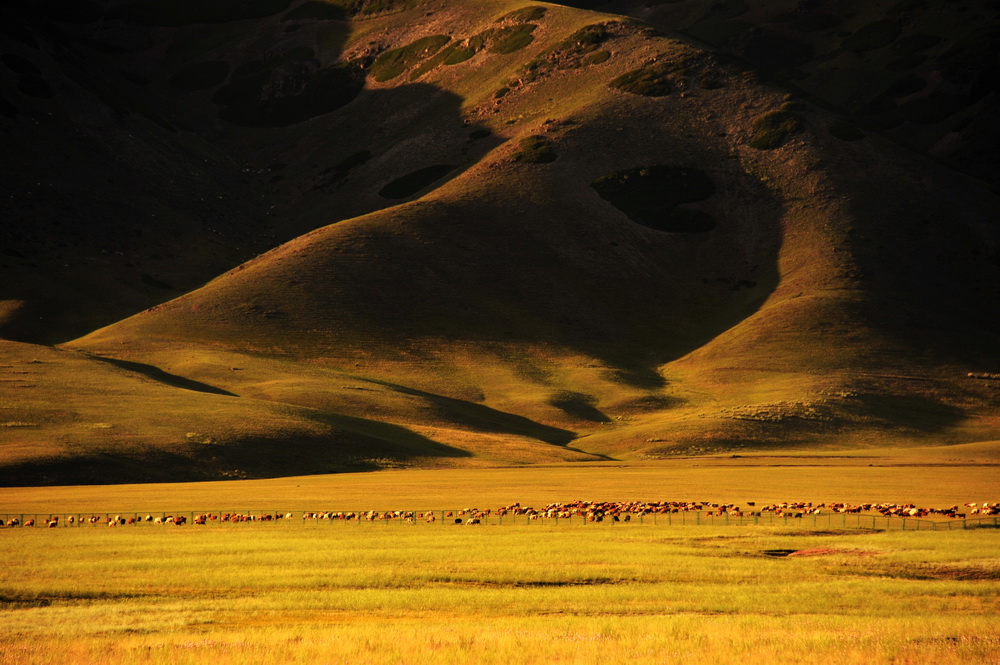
(299, 591)
(934, 476)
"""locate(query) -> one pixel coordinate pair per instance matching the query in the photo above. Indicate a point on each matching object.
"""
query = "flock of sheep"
(615, 511)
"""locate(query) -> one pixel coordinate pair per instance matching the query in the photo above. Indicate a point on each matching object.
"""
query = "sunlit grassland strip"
(517, 594)
(926, 477)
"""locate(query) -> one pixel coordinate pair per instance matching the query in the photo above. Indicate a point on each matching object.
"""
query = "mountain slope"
(550, 234)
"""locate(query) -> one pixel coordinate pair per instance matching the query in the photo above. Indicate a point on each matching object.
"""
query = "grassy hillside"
(516, 232)
(921, 71)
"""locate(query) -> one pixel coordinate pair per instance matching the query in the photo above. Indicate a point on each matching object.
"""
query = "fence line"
(437, 518)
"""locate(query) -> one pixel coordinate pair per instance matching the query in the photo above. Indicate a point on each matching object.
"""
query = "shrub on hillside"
(650, 81)
(771, 129)
(653, 195)
(390, 64)
(535, 150)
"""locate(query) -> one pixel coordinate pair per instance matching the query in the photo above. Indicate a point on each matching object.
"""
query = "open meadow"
(313, 591)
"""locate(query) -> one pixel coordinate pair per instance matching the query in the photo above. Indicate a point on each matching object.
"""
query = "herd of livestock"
(600, 511)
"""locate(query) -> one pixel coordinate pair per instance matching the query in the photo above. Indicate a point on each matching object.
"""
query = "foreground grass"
(377, 593)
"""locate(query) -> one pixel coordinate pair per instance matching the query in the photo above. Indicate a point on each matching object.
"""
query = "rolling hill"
(273, 237)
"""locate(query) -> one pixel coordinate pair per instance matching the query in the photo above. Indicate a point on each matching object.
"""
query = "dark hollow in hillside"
(79, 12)
(315, 10)
(333, 176)
(411, 183)
(250, 98)
(200, 76)
(652, 196)
(190, 12)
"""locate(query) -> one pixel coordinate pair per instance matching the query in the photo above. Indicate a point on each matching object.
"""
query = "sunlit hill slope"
(300, 237)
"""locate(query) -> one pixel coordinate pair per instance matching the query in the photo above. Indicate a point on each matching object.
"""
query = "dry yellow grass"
(938, 477)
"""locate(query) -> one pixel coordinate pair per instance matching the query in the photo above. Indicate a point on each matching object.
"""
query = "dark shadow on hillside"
(918, 412)
(499, 274)
(355, 445)
(478, 417)
(578, 405)
(157, 374)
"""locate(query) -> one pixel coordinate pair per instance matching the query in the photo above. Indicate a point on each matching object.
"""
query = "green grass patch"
(652, 196)
(364, 7)
(597, 58)
(571, 53)
(390, 64)
(524, 15)
(585, 40)
(652, 80)
(771, 129)
(411, 183)
(461, 52)
(200, 76)
(535, 150)
(510, 39)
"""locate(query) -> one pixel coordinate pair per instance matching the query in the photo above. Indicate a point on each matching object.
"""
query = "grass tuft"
(771, 129)
(524, 15)
(649, 81)
(390, 64)
(535, 150)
